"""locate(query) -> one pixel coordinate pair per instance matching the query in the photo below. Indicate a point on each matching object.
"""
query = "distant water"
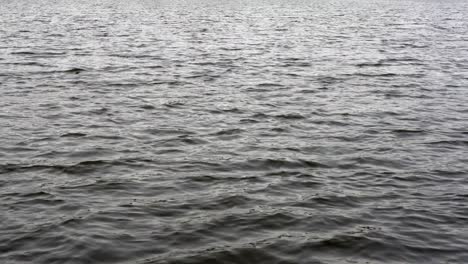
(242, 131)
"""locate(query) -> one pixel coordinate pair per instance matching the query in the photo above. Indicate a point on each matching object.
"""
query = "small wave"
(269, 85)
(234, 110)
(450, 142)
(232, 131)
(168, 131)
(147, 107)
(224, 203)
(38, 53)
(74, 134)
(77, 168)
(27, 63)
(74, 70)
(174, 104)
(266, 164)
(375, 74)
(30, 194)
(184, 140)
(408, 132)
(290, 116)
(243, 254)
(329, 201)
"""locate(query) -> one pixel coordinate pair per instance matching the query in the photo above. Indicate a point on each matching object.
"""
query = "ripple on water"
(233, 132)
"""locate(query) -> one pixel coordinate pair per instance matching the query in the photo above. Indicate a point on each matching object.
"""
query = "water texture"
(213, 131)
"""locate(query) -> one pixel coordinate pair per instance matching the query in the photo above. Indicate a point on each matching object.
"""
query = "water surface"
(204, 131)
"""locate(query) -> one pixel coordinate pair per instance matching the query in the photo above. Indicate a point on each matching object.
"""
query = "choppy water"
(212, 131)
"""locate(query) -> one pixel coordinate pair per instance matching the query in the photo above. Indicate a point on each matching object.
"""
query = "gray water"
(212, 131)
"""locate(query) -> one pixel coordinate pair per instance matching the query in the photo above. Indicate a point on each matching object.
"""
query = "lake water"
(213, 131)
